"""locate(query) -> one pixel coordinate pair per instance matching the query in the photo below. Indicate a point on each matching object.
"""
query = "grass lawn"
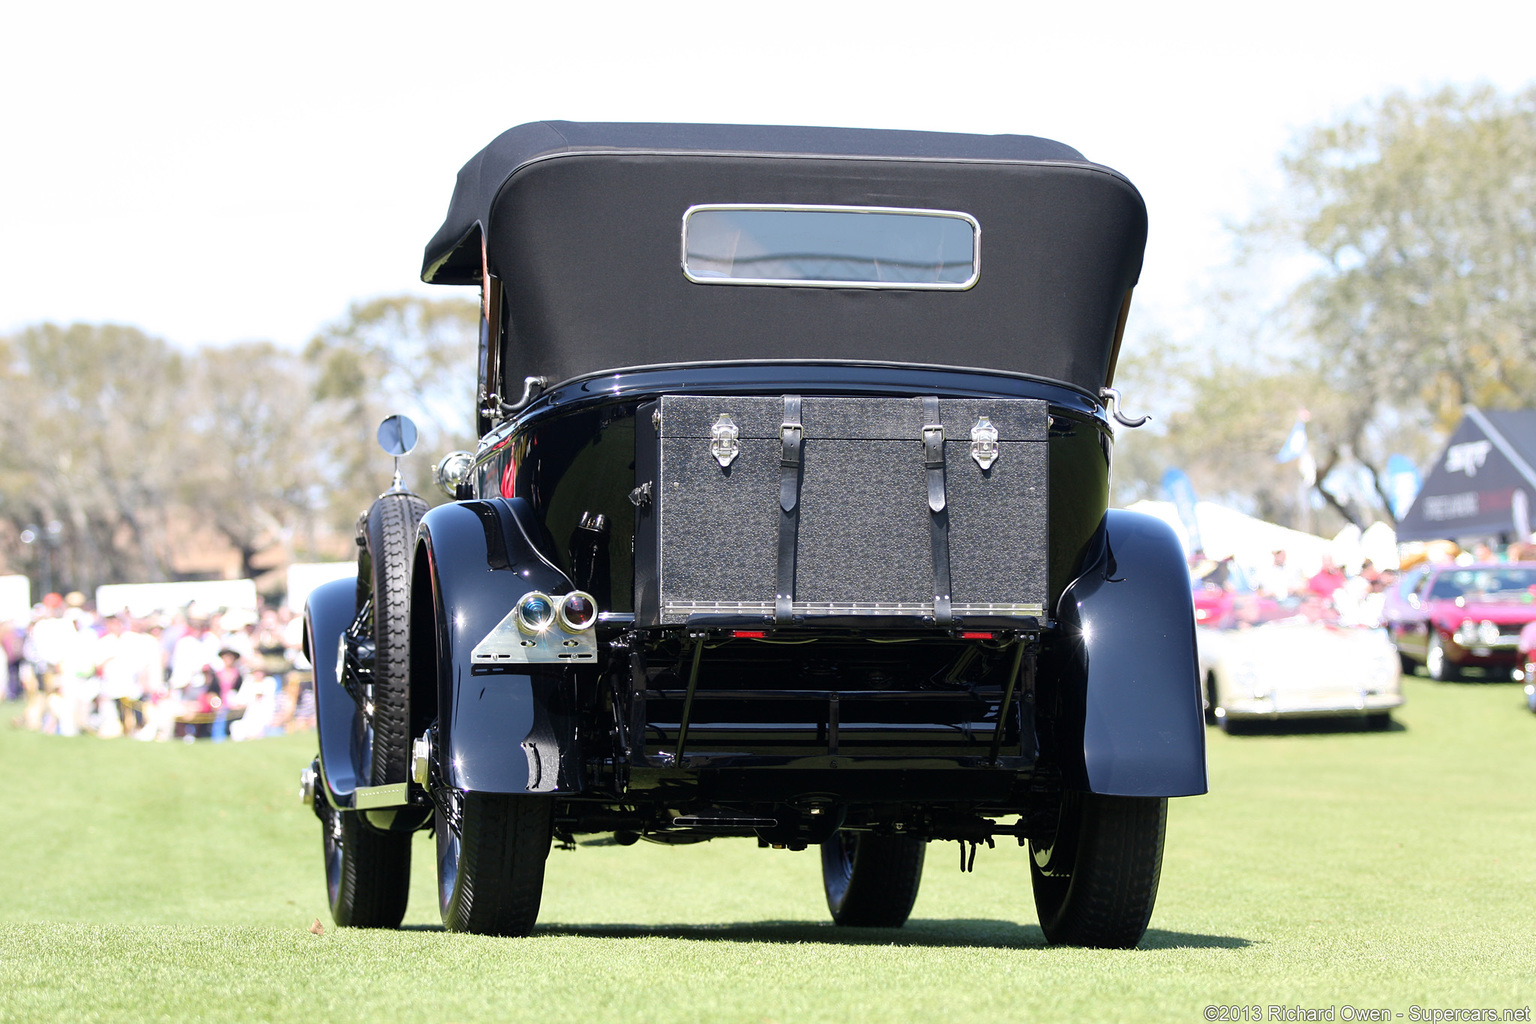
(1325, 869)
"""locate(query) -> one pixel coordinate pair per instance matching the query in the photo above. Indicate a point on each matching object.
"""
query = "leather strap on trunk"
(792, 437)
(938, 509)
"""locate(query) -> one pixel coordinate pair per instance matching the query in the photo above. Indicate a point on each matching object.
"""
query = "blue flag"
(1180, 491)
(1402, 484)
(1295, 443)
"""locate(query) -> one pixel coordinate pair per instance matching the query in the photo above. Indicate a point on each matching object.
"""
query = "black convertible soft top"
(582, 225)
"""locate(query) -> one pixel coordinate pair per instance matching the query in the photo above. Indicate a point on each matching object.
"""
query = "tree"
(90, 422)
(1418, 215)
(1225, 431)
(250, 466)
(403, 354)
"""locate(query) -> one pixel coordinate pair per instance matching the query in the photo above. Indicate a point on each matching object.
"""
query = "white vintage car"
(1295, 668)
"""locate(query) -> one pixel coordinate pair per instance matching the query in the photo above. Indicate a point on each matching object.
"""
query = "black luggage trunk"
(787, 509)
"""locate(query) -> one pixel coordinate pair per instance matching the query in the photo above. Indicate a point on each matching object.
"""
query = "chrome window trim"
(960, 286)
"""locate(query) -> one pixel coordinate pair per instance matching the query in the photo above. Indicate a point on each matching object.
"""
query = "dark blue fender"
(499, 729)
(1129, 627)
(327, 614)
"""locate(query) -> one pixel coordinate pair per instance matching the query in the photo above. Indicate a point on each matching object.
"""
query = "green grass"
(175, 882)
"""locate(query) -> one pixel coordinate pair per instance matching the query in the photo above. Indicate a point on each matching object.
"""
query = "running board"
(368, 798)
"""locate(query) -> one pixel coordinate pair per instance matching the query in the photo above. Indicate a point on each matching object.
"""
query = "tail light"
(535, 612)
(578, 611)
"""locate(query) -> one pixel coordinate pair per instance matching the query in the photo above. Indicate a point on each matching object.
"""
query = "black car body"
(789, 520)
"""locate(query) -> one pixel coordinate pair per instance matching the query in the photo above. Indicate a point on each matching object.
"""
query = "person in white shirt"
(1278, 580)
(193, 655)
(47, 643)
(258, 696)
(128, 662)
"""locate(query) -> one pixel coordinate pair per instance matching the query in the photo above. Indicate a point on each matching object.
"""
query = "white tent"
(15, 599)
(306, 576)
(236, 598)
(1251, 542)
(1377, 545)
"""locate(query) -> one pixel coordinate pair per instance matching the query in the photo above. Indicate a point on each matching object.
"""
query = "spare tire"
(389, 537)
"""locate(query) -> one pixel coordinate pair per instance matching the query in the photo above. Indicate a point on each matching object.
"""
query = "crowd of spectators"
(1227, 593)
(1230, 594)
(186, 674)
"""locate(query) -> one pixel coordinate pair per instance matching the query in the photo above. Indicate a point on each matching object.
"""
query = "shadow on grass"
(1473, 675)
(931, 933)
(1309, 726)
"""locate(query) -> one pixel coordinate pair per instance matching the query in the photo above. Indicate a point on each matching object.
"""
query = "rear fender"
(328, 612)
(1128, 627)
(500, 729)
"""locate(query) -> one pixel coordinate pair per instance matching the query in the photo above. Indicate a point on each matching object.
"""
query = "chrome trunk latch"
(984, 443)
(723, 440)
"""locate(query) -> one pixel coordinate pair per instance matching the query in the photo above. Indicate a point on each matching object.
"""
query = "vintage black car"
(788, 521)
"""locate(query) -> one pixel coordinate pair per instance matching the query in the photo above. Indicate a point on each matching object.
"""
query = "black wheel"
(1378, 721)
(871, 880)
(367, 873)
(490, 863)
(1210, 699)
(389, 535)
(1095, 880)
(1436, 664)
(1409, 666)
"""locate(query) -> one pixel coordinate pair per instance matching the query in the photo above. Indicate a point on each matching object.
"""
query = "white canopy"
(15, 599)
(1378, 544)
(1252, 542)
(236, 598)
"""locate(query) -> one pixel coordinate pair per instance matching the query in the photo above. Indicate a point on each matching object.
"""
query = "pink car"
(1467, 616)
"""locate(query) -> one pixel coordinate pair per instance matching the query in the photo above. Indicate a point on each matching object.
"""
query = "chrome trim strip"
(1083, 164)
(493, 438)
(1026, 609)
(608, 383)
(677, 611)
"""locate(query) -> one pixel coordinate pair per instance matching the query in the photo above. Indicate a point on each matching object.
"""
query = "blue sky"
(213, 173)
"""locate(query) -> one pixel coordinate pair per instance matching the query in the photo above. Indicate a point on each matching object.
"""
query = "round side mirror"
(451, 471)
(397, 435)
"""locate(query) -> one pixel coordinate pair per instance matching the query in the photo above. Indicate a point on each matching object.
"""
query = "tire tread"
(375, 874)
(391, 532)
(1108, 901)
(503, 846)
(881, 884)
